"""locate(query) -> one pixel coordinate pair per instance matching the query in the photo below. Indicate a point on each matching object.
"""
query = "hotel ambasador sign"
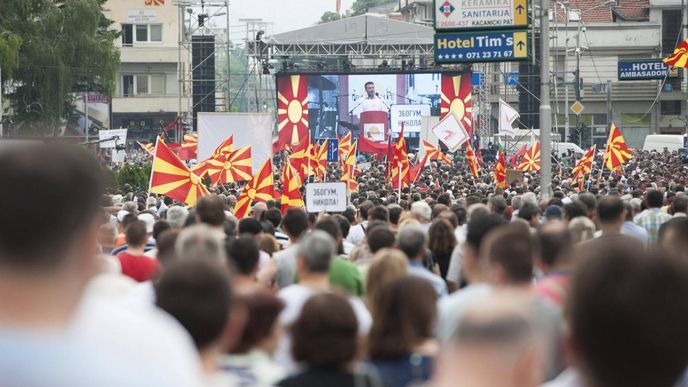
(480, 14)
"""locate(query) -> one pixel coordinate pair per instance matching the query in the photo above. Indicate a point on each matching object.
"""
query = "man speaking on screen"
(372, 102)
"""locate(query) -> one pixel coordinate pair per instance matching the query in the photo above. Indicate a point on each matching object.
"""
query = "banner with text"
(326, 197)
(410, 115)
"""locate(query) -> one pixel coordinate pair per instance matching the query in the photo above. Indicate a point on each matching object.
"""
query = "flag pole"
(399, 181)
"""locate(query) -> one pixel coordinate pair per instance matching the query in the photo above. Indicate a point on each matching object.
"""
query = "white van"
(657, 142)
(559, 148)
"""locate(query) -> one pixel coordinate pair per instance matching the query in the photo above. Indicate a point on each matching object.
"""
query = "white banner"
(327, 197)
(112, 137)
(254, 129)
(374, 132)
(451, 132)
(507, 116)
(410, 115)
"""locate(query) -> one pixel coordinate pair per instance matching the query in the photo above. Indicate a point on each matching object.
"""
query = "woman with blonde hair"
(581, 229)
(387, 266)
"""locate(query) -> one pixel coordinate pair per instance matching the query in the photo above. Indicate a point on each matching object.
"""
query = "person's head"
(325, 334)
(315, 253)
(478, 227)
(379, 238)
(149, 220)
(200, 242)
(421, 211)
(590, 202)
(295, 223)
(680, 204)
(176, 216)
(250, 226)
(330, 225)
(581, 228)
(258, 209)
(261, 329)
(50, 199)
(165, 246)
(107, 235)
(378, 213)
(197, 294)
(413, 242)
(403, 318)
(274, 216)
(387, 265)
(495, 344)
(672, 236)
(555, 241)
(135, 235)
(370, 88)
(509, 251)
(395, 211)
(575, 209)
(243, 255)
(344, 224)
(497, 204)
(610, 212)
(654, 198)
(441, 237)
(210, 210)
(159, 227)
(627, 306)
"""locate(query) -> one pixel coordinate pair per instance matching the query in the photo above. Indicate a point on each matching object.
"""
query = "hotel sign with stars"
(502, 46)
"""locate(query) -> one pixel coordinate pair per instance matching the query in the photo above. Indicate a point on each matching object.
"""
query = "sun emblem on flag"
(292, 109)
(447, 8)
(457, 99)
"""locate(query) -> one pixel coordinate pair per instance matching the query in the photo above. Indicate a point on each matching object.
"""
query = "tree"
(329, 16)
(361, 6)
(64, 48)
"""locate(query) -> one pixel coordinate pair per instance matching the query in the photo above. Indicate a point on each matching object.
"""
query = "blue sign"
(333, 150)
(511, 79)
(476, 78)
(473, 47)
(640, 69)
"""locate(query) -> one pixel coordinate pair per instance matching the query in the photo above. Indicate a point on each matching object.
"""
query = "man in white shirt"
(373, 102)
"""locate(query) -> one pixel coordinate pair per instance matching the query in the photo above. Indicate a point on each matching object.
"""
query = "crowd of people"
(452, 282)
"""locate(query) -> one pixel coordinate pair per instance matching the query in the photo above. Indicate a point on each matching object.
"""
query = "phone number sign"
(480, 14)
(472, 47)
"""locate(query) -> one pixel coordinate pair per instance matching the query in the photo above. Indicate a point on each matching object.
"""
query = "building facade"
(149, 93)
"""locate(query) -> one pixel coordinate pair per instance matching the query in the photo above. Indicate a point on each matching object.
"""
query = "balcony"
(152, 53)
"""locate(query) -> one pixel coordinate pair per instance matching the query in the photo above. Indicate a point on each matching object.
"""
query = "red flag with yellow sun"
(235, 166)
(456, 98)
(679, 58)
(349, 171)
(433, 153)
(472, 160)
(400, 174)
(212, 166)
(531, 159)
(300, 155)
(500, 170)
(172, 178)
(617, 152)
(260, 189)
(292, 109)
(291, 184)
(344, 146)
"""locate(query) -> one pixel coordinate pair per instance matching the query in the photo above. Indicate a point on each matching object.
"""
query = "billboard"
(341, 103)
(641, 69)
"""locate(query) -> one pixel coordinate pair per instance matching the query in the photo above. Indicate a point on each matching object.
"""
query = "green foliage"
(138, 176)
(360, 6)
(63, 49)
(9, 52)
(329, 16)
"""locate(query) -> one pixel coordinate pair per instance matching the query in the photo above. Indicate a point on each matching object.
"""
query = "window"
(141, 33)
(127, 35)
(143, 84)
(671, 107)
(155, 33)
(671, 25)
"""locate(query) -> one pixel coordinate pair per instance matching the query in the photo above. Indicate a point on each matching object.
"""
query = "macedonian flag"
(291, 184)
(319, 159)
(292, 109)
(584, 165)
(456, 98)
(172, 178)
(344, 146)
(401, 166)
(349, 170)
(617, 152)
(188, 149)
(472, 160)
(211, 166)
(260, 189)
(300, 156)
(679, 58)
(433, 153)
(149, 148)
(235, 166)
(531, 159)
(500, 170)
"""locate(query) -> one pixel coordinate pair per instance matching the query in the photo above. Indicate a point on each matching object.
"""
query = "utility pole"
(567, 118)
(229, 42)
(609, 103)
(684, 19)
(545, 107)
(86, 111)
(1, 89)
(577, 86)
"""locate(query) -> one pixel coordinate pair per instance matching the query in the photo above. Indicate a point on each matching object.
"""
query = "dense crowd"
(451, 283)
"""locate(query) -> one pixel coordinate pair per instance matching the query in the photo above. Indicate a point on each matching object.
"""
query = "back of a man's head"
(555, 243)
(380, 238)
(176, 216)
(421, 211)
(654, 198)
(610, 209)
(135, 234)
(509, 250)
(575, 209)
(198, 295)
(295, 222)
(628, 307)
(672, 235)
(378, 213)
(589, 200)
(211, 210)
(317, 249)
(412, 241)
(50, 199)
(330, 225)
(243, 254)
(528, 211)
(497, 204)
(274, 216)
(479, 226)
(680, 204)
(200, 241)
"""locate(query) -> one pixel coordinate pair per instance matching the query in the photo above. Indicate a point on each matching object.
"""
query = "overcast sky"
(286, 15)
